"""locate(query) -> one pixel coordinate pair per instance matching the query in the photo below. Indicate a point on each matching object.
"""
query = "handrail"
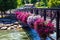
(57, 15)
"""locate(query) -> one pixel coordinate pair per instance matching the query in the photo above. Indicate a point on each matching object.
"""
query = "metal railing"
(44, 12)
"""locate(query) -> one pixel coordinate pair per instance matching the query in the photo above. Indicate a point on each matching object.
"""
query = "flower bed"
(43, 27)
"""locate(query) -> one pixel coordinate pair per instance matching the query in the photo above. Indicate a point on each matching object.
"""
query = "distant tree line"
(48, 3)
(12, 4)
(7, 5)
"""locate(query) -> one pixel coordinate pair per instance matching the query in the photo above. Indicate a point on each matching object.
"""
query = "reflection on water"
(13, 35)
(20, 35)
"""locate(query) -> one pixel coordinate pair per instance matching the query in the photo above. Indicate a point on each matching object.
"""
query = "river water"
(20, 34)
(13, 35)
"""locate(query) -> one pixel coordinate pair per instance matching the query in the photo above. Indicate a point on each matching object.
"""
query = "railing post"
(44, 14)
(57, 23)
(51, 14)
(31, 10)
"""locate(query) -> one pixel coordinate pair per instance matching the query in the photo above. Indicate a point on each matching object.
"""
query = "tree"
(19, 3)
(33, 1)
(53, 3)
(30, 1)
(7, 4)
(2, 6)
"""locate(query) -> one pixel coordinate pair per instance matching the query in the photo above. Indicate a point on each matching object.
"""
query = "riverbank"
(8, 24)
(13, 35)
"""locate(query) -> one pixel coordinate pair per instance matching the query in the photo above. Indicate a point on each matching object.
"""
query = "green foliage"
(33, 1)
(51, 3)
(58, 3)
(30, 1)
(37, 4)
(48, 3)
(7, 4)
(40, 4)
(20, 3)
(2, 5)
(44, 1)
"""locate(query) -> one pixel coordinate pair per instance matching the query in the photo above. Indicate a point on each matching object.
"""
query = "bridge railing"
(52, 13)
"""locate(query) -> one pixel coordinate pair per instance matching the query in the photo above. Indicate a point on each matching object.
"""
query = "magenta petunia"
(25, 16)
(37, 22)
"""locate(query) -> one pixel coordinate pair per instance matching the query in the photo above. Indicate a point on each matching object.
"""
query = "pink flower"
(17, 13)
(41, 26)
(38, 22)
(50, 24)
(32, 19)
(18, 17)
(46, 30)
(25, 16)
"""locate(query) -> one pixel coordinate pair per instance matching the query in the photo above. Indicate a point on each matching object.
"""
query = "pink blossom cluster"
(39, 24)
(22, 16)
(44, 27)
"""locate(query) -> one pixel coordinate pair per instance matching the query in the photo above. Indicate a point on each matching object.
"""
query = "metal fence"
(45, 12)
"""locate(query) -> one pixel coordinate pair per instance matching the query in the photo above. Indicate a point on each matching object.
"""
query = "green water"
(13, 35)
